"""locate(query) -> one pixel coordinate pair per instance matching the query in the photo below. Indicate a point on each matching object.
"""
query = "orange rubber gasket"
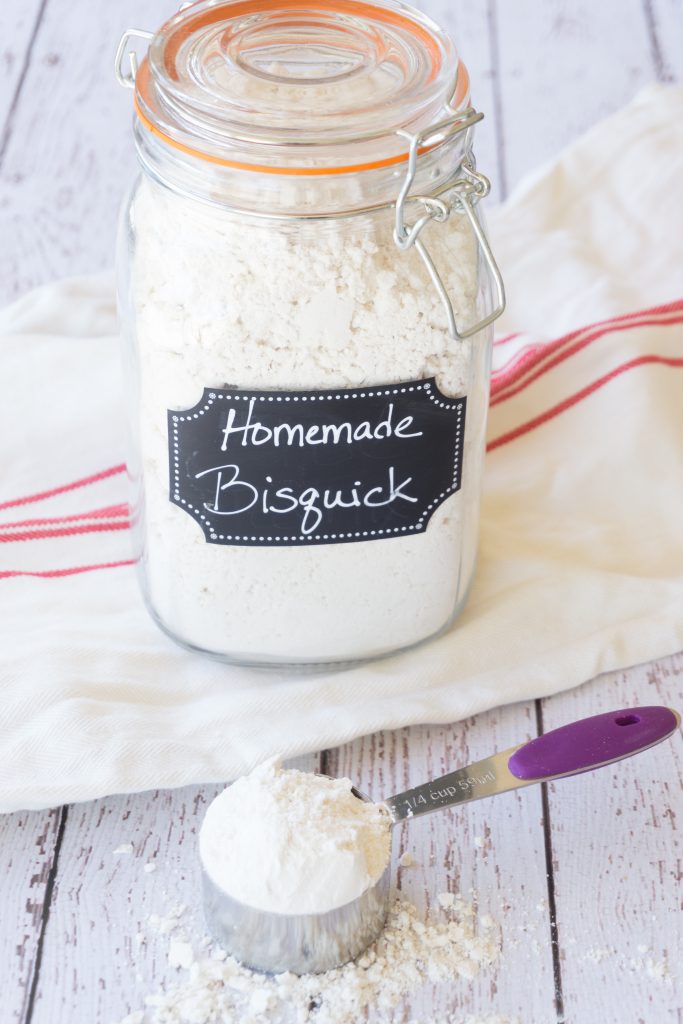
(142, 82)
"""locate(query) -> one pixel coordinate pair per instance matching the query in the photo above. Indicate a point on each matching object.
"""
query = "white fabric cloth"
(581, 561)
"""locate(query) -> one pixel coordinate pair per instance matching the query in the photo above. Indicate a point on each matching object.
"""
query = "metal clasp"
(469, 189)
(127, 78)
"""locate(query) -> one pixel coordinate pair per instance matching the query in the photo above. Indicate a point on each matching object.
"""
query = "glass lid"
(280, 85)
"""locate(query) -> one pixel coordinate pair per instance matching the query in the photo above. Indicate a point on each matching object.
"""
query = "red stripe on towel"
(561, 407)
(55, 573)
(503, 389)
(532, 354)
(110, 512)
(84, 482)
(504, 340)
(63, 531)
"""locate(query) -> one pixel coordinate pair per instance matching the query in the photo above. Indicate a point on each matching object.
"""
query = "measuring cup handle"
(592, 743)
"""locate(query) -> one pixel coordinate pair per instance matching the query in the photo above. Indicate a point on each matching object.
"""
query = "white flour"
(248, 303)
(449, 947)
(291, 842)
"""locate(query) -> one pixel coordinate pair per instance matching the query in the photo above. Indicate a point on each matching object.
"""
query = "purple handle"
(592, 742)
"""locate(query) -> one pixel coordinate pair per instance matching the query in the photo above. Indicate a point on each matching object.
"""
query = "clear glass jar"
(306, 296)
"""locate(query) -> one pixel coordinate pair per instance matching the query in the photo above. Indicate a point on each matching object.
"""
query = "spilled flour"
(452, 944)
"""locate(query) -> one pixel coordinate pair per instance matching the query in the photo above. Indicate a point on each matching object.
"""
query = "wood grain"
(18, 28)
(664, 20)
(468, 24)
(27, 845)
(618, 862)
(70, 152)
(493, 848)
(93, 968)
(101, 954)
(563, 67)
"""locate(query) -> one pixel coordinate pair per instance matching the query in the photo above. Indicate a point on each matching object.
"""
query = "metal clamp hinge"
(127, 77)
(463, 194)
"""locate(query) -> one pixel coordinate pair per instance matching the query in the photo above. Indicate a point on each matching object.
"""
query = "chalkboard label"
(282, 468)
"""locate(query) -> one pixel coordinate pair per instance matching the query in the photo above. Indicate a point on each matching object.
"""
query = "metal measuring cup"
(300, 943)
(312, 943)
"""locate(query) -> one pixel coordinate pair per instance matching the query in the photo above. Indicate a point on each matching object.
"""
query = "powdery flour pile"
(451, 945)
(292, 842)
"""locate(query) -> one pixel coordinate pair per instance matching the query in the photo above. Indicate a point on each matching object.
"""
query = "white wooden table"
(584, 876)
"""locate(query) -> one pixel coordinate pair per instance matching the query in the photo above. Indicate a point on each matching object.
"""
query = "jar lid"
(283, 86)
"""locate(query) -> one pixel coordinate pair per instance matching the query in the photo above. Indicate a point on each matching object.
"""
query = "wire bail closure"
(466, 191)
(126, 78)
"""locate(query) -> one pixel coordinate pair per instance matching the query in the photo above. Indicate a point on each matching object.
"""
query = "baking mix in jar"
(306, 294)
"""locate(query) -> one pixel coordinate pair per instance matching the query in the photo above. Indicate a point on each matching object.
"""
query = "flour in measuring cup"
(292, 842)
(226, 303)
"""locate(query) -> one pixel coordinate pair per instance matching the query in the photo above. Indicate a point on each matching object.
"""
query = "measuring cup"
(311, 943)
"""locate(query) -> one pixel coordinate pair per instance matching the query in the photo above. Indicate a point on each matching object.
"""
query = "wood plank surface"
(493, 848)
(70, 154)
(27, 847)
(617, 848)
(664, 19)
(102, 954)
(469, 25)
(19, 25)
(564, 66)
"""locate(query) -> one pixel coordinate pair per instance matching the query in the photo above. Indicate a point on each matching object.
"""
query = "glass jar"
(306, 297)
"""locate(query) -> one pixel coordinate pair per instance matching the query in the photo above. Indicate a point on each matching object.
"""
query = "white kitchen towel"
(581, 562)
